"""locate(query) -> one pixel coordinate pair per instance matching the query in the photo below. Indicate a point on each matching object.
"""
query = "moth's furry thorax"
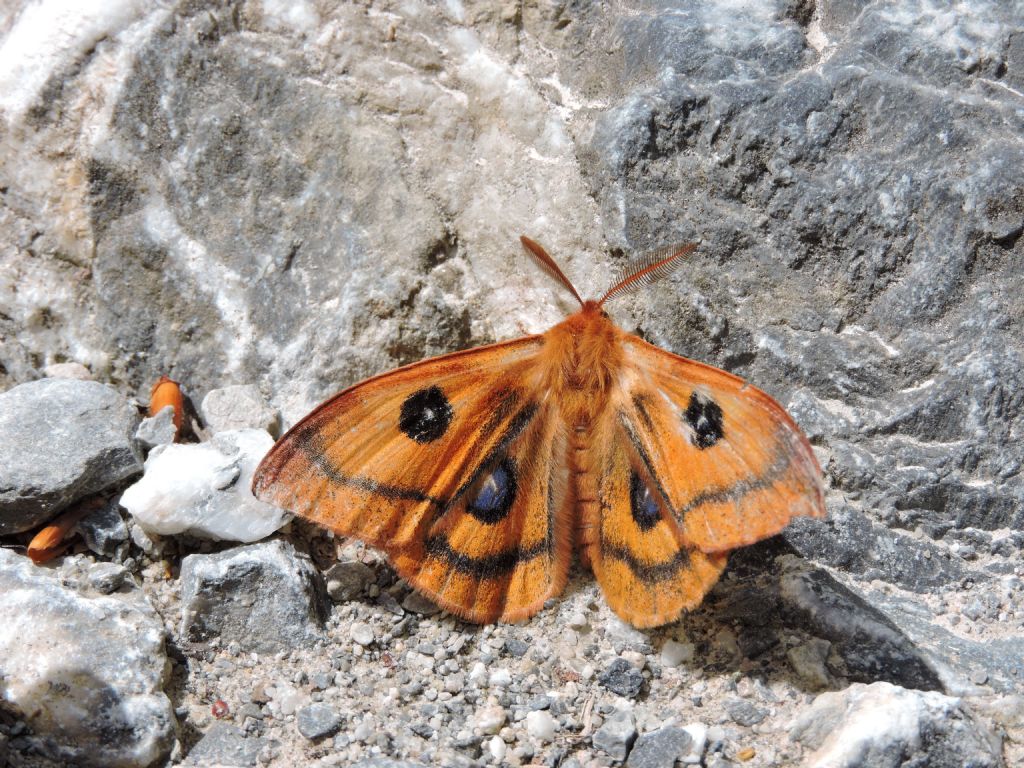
(582, 356)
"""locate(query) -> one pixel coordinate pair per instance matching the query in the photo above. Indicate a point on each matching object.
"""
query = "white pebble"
(478, 674)
(540, 725)
(500, 678)
(497, 748)
(362, 633)
(673, 653)
(698, 740)
(363, 731)
(489, 719)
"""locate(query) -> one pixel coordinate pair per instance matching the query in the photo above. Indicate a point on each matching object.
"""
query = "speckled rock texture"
(295, 196)
(60, 441)
(83, 665)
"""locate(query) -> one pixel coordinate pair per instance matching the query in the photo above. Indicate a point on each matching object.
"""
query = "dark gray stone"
(61, 440)
(744, 712)
(265, 597)
(516, 647)
(616, 735)
(316, 721)
(660, 748)
(104, 531)
(226, 745)
(871, 645)
(348, 580)
(622, 678)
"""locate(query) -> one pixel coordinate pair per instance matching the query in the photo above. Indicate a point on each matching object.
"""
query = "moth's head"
(644, 270)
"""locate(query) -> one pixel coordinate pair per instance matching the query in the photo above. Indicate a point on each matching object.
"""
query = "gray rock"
(871, 645)
(157, 430)
(86, 670)
(226, 745)
(622, 678)
(885, 726)
(61, 440)
(238, 407)
(744, 712)
(265, 597)
(419, 604)
(104, 531)
(660, 748)
(107, 578)
(616, 735)
(514, 646)
(959, 661)
(317, 721)
(808, 660)
(348, 580)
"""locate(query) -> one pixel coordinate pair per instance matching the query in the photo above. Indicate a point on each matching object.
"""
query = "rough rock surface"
(61, 440)
(238, 407)
(301, 195)
(264, 597)
(884, 726)
(83, 667)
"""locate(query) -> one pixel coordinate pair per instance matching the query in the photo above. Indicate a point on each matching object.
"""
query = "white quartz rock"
(204, 489)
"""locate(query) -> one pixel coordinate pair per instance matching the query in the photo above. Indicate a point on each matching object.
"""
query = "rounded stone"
(317, 721)
(540, 725)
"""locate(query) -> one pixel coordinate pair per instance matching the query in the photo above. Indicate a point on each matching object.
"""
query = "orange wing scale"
(755, 471)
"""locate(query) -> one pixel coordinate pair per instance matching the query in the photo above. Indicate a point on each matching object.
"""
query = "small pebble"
(744, 713)
(414, 602)
(491, 718)
(317, 721)
(622, 678)
(616, 735)
(808, 661)
(698, 740)
(478, 674)
(362, 633)
(497, 748)
(674, 653)
(660, 748)
(347, 580)
(540, 725)
(500, 678)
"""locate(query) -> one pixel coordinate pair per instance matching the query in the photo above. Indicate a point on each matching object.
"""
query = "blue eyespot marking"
(642, 504)
(494, 497)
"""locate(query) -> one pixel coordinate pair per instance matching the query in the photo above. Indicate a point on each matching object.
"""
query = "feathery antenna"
(647, 269)
(538, 252)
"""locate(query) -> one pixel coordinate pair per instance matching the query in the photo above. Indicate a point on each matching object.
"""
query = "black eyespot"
(642, 503)
(705, 417)
(425, 415)
(494, 497)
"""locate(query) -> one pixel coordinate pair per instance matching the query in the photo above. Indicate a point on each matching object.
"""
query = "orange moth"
(480, 472)
(166, 392)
